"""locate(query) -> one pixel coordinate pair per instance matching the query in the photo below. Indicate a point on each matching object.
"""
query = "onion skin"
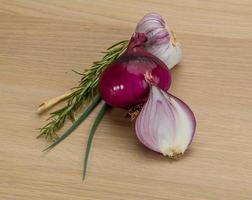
(165, 124)
(123, 84)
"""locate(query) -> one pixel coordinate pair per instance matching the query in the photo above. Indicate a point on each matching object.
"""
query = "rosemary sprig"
(91, 136)
(76, 123)
(83, 94)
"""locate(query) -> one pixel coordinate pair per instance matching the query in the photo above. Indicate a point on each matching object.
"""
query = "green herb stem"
(76, 123)
(91, 136)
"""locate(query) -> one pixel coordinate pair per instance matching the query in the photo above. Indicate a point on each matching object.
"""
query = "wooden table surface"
(42, 41)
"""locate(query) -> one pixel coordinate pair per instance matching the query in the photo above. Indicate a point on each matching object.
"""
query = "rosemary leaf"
(117, 44)
(83, 116)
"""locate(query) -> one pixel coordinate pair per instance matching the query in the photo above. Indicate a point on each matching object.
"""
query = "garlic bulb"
(165, 124)
(161, 41)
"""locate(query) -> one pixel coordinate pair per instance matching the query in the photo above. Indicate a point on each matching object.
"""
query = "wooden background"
(42, 40)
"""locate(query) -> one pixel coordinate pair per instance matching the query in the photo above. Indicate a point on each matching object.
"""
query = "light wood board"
(41, 41)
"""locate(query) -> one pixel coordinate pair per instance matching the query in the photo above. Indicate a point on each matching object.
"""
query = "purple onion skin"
(123, 84)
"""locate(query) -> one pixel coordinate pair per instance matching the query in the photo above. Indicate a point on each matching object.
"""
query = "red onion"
(165, 124)
(123, 84)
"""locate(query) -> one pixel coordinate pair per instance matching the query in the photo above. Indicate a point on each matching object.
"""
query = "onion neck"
(149, 79)
(137, 40)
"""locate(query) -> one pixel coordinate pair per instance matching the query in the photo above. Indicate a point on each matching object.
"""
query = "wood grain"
(42, 40)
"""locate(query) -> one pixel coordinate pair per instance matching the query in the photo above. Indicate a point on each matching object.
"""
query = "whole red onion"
(123, 83)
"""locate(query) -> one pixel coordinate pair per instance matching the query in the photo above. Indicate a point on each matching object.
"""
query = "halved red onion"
(165, 124)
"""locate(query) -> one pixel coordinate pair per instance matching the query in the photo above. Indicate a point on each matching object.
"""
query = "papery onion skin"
(123, 84)
(165, 124)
